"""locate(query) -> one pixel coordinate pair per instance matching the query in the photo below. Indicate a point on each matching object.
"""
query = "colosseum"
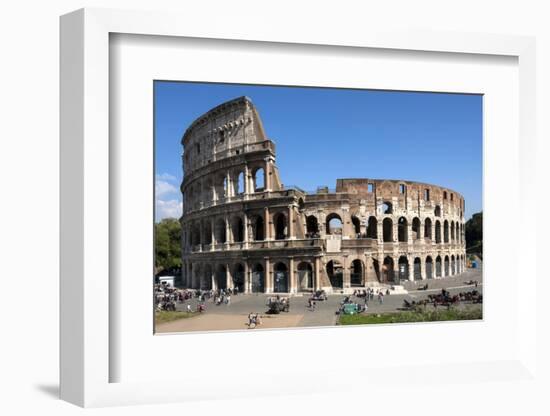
(243, 229)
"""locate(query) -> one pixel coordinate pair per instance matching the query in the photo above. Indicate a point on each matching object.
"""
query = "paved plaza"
(234, 316)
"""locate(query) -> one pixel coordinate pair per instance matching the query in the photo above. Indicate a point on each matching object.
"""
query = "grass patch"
(413, 316)
(162, 317)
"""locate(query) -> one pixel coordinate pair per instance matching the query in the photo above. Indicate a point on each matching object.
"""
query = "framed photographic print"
(290, 205)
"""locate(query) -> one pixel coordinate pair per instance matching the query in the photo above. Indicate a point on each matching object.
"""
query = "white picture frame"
(87, 353)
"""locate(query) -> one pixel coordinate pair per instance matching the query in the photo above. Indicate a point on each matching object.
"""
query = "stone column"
(228, 192)
(292, 276)
(380, 231)
(291, 223)
(411, 268)
(317, 275)
(213, 278)
(409, 232)
(423, 268)
(228, 238)
(268, 277)
(212, 230)
(346, 274)
(229, 280)
(247, 280)
(420, 235)
(267, 228)
(245, 229)
(267, 176)
(246, 180)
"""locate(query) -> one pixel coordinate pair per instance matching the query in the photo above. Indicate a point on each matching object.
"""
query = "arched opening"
(402, 231)
(388, 271)
(195, 235)
(301, 204)
(220, 231)
(356, 226)
(207, 232)
(387, 229)
(258, 285)
(446, 266)
(356, 275)
(403, 268)
(312, 226)
(279, 220)
(453, 265)
(372, 228)
(446, 231)
(427, 229)
(280, 278)
(258, 228)
(335, 274)
(225, 187)
(437, 211)
(240, 183)
(457, 235)
(415, 228)
(206, 280)
(452, 231)
(238, 277)
(429, 268)
(238, 229)
(259, 180)
(438, 266)
(417, 271)
(386, 207)
(437, 232)
(334, 224)
(305, 277)
(221, 277)
(376, 267)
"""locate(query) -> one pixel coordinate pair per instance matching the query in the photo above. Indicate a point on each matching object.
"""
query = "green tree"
(167, 244)
(474, 234)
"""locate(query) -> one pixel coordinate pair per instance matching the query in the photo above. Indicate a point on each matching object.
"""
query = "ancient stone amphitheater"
(242, 228)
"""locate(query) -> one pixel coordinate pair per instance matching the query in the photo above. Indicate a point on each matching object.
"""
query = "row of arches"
(221, 186)
(254, 280)
(252, 277)
(452, 231)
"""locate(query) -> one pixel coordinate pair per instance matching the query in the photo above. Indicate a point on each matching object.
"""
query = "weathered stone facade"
(241, 228)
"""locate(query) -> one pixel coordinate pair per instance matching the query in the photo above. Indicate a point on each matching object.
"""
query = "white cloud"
(164, 188)
(171, 208)
(166, 177)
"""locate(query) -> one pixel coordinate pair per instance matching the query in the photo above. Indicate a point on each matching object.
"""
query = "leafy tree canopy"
(474, 233)
(167, 244)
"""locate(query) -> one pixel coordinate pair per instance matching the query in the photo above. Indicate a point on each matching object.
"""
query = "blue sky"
(323, 134)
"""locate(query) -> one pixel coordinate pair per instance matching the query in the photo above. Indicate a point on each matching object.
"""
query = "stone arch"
(403, 268)
(417, 268)
(437, 211)
(437, 232)
(312, 226)
(334, 224)
(207, 231)
(237, 229)
(258, 228)
(240, 183)
(258, 177)
(305, 276)
(335, 274)
(453, 265)
(415, 228)
(428, 229)
(220, 231)
(387, 229)
(258, 278)
(446, 266)
(386, 207)
(239, 277)
(356, 225)
(206, 281)
(357, 270)
(446, 231)
(280, 278)
(280, 225)
(372, 228)
(221, 277)
(429, 268)
(388, 271)
(438, 267)
(402, 230)
(452, 231)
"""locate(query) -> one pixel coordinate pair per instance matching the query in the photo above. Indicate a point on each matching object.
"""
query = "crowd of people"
(167, 297)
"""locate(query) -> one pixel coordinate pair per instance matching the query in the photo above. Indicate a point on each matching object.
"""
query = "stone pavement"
(234, 316)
